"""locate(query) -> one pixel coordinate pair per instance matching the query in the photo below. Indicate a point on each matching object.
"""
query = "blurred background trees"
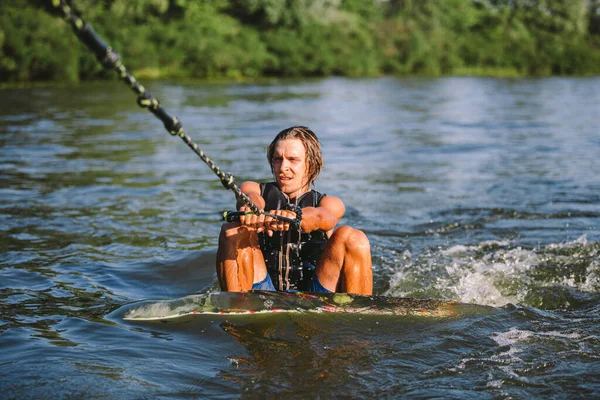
(287, 38)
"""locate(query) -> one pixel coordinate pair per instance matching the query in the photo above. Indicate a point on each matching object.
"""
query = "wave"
(496, 273)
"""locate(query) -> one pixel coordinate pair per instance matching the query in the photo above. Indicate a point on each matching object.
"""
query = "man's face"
(290, 168)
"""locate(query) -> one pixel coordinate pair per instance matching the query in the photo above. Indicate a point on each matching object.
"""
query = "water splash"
(558, 276)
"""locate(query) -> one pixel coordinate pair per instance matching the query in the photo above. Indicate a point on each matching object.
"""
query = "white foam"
(476, 288)
(504, 339)
(457, 249)
(501, 276)
(580, 241)
(556, 334)
(485, 281)
(152, 310)
(513, 336)
(465, 249)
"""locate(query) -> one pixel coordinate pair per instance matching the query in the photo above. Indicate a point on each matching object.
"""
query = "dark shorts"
(267, 284)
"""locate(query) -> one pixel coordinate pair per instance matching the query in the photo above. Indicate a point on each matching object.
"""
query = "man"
(264, 253)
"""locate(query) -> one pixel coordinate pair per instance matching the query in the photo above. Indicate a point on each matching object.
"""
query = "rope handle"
(233, 216)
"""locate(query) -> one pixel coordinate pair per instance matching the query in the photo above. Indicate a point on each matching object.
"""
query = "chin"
(287, 190)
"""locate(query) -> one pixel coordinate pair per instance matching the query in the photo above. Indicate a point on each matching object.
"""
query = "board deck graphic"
(263, 302)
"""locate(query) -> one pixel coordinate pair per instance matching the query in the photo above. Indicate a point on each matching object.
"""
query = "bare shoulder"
(250, 187)
(334, 205)
(252, 190)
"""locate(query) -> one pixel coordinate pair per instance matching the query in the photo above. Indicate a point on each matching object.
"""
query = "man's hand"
(252, 220)
(271, 224)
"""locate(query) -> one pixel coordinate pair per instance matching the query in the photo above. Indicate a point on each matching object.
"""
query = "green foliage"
(252, 38)
(266, 14)
(594, 19)
(216, 45)
(346, 48)
(36, 46)
(532, 37)
(368, 10)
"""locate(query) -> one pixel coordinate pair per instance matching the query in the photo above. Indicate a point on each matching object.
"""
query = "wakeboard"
(265, 302)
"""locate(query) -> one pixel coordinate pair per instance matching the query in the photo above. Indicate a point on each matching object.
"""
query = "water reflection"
(296, 353)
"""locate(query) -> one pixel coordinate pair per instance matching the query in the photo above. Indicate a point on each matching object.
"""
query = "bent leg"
(345, 265)
(240, 261)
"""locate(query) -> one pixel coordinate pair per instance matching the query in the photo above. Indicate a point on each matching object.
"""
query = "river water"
(479, 190)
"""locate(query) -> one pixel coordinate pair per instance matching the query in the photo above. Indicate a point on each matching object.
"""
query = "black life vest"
(291, 260)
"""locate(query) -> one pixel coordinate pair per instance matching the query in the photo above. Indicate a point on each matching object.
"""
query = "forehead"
(290, 147)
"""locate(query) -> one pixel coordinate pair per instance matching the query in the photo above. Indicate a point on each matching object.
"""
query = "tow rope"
(111, 60)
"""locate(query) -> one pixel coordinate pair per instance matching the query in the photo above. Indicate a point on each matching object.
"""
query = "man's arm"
(324, 217)
(252, 190)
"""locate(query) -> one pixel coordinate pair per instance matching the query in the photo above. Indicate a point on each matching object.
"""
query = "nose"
(285, 164)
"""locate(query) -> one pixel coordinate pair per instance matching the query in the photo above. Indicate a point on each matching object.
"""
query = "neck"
(297, 193)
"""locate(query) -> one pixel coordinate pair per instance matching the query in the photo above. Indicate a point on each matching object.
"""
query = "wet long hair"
(312, 145)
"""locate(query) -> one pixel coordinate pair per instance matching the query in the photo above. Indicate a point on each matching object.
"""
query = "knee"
(352, 239)
(232, 232)
(228, 227)
(227, 230)
(235, 235)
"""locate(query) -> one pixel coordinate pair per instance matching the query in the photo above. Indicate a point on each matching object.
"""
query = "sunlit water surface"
(478, 190)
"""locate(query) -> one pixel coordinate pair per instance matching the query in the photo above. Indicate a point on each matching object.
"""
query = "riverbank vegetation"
(238, 39)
